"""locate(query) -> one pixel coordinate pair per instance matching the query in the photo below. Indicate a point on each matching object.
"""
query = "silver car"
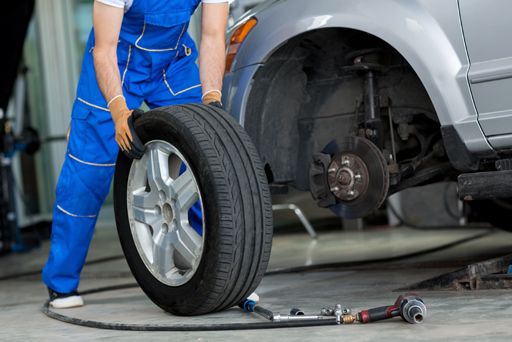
(357, 99)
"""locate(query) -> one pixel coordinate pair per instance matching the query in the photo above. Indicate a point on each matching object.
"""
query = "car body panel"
(427, 33)
(487, 29)
(236, 89)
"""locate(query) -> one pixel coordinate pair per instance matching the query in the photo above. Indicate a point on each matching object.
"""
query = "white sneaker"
(65, 300)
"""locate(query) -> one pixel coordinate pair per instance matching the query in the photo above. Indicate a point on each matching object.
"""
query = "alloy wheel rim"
(161, 189)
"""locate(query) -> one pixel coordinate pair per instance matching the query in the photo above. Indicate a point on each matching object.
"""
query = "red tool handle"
(378, 314)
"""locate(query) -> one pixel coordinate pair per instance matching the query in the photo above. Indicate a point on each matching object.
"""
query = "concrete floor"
(468, 316)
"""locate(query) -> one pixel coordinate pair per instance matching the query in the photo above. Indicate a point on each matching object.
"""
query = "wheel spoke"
(144, 238)
(185, 182)
(146, 216)
(187, 243)
(158, 169)
(144, 207)
(146, 200)
(162, 253)
(185, 189)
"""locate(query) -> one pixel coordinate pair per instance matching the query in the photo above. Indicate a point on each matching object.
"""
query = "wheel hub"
(350, 177)
(347, 176)
(168, 213)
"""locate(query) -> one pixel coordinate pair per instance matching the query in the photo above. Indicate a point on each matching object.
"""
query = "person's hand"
(123, 134)
(124, 120)
(213, 97)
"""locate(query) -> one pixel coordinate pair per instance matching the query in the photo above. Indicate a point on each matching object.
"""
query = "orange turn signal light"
(237, 39)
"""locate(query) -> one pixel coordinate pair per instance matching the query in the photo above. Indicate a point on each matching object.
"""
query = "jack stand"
(300, 215)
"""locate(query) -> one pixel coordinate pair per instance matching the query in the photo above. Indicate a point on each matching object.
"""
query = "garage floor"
(468, 316)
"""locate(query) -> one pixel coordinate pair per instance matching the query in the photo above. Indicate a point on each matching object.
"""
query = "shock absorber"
(373, 124)
(366, 63)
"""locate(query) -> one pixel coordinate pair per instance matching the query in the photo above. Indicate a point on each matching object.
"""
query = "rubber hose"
(181, 327)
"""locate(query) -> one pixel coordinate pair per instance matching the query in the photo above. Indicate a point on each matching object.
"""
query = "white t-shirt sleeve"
(114, 3)
(126, 4)
(216, 1)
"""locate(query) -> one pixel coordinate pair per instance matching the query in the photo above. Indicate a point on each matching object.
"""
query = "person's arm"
(107, 22)
(212, 51)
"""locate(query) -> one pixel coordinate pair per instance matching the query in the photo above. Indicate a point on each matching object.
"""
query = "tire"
(235, 201)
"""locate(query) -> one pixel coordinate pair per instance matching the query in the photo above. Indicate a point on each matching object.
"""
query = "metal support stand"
(300, 215)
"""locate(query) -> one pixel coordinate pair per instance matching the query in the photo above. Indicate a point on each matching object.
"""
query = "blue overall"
(156, 59)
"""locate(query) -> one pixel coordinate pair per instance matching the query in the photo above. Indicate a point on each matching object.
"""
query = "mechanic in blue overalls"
(138, 50)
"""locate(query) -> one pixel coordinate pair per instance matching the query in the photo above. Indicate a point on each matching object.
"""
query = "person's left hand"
(213, 97)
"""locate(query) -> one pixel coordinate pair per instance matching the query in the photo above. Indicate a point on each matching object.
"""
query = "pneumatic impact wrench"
(411, 308)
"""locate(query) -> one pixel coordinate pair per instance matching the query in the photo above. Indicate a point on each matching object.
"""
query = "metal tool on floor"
(410, 307)
(341, 314)
(294, 316)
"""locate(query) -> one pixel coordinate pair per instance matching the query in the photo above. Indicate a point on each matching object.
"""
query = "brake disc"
(350, 177)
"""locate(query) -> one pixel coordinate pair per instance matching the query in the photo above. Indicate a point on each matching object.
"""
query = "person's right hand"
(126, 137)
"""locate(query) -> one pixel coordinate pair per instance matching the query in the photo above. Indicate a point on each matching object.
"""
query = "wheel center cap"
(168, 212)
(344, 178)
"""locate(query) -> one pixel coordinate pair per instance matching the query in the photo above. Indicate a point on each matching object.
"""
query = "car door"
(487, 29)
